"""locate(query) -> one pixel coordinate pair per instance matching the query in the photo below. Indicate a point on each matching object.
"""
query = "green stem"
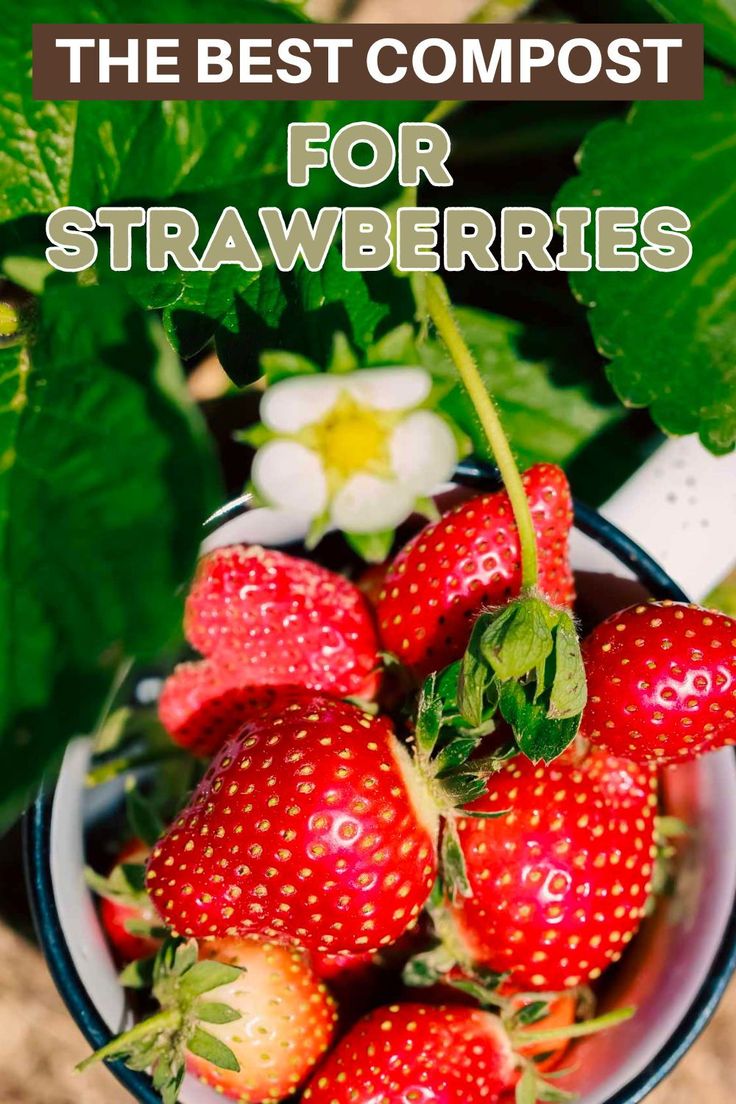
(155, 1024)
(441, 313)
(574, 1031)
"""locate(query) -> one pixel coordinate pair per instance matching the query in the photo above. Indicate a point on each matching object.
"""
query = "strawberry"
(290, 1021)
(248, 1018)
(467, 560)
(661, 682)
(126, 913)
(283, 621)
(203, 704)
(309, 826)
(415, 1052)
(559, 883)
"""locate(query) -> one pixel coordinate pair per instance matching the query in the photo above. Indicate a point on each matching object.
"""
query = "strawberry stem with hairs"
(440, 310)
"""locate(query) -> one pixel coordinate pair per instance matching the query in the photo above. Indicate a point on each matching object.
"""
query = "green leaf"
(88, 153)
(216, 1012)
(105, 477)
(568, 693)
(207, 975)
(212, 1050)
(372, 547)
(143, 818)
(249, 312)
(717, 16)
(549, 402)
(670, 337)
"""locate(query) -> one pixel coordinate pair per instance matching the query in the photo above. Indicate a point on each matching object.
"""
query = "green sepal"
(278, 365)
(255, 436)
(206, 975)
(317, 529)
(568, 694)
(372, 547)
(343, 358)
(212, 1050)
(454, 754)
(138, 974)
(475, 677)
(398, 346)
(540, 738)
(125, 883)
(215, 1012)
(427, 508)
(518, 638)
(531, 1013)
(454, 870)
(427, 968)
(429, 717)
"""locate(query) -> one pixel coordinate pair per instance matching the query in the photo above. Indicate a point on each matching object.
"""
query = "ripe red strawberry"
(418, 1053)
(203, 704)
(469, 559)
(287, 1021)
(309, 826)
(559, 884)
(122, 908)
(284, 621)
(661, 682)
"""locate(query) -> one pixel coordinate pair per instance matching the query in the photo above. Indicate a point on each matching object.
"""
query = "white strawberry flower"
(354, 451)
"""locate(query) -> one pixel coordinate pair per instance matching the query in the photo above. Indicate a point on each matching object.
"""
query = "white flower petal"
(423, 451)
(389, 388)
(292, 404)
(366, 504)
(290, 476)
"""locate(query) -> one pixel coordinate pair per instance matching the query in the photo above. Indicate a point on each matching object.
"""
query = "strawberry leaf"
(717, 16)
(143, 818)
(212, 1050)
(684, 158)
(106, 477)
(540, 381)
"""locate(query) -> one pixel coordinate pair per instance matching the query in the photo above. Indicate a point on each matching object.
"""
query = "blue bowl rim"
(37, 831)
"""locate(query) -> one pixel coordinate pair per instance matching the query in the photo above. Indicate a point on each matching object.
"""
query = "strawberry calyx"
(524, 658)
(178, 981)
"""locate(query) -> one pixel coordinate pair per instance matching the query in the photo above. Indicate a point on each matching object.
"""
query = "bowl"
(674, 972)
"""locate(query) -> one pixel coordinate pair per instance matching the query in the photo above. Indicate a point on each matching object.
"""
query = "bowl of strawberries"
(444, 830)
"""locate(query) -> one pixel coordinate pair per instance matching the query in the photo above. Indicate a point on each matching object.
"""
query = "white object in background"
(681, 508)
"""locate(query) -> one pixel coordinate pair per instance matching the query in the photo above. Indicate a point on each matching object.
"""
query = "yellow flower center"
(352, 438)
